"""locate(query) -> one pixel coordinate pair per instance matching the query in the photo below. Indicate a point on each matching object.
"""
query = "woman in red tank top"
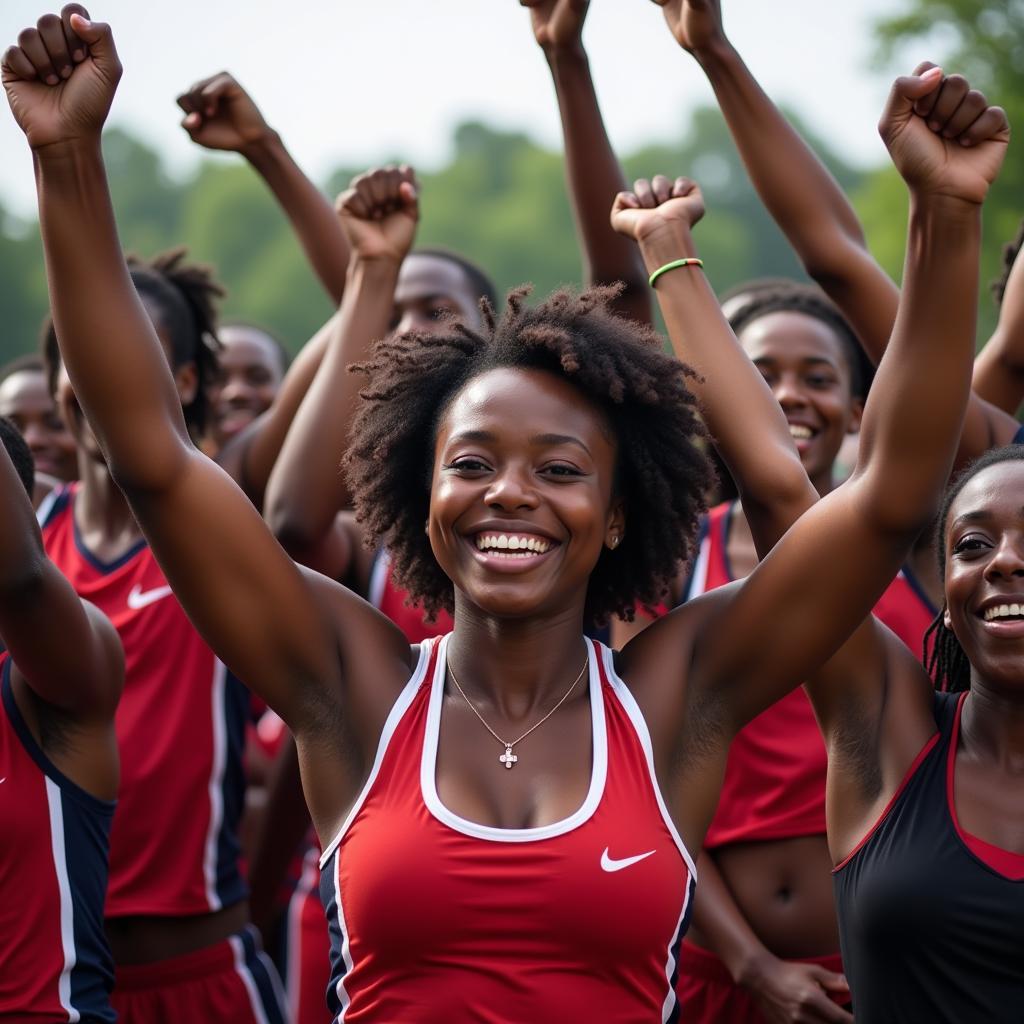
(532, 473)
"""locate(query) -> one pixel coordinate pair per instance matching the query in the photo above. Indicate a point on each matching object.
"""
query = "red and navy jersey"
(180, 729)
(55, 964)
(437, 918)
(774, 785)
(393, 601)
(930, 915)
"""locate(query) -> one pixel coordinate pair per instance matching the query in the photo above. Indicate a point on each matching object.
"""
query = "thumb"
(905, 91)
(97, 34)
(410, 199)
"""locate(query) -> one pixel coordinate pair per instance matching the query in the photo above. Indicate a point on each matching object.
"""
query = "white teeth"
(509, 542)
(799, 431)
(1004, 611)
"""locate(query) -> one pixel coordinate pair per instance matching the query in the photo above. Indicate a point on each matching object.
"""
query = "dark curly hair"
(794, 297)
(184, 298)
(1010, 251)
(948, 665)
(662, 473)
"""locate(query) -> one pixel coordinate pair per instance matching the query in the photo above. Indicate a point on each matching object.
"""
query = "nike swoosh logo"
(139, 598)
(607, 864)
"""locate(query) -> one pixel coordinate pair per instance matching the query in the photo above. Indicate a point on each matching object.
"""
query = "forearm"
(307, 488)
(915, 412)
(747, 424)
(309, 211)
(798, 190)
(721, 922)
(108, 344)
(999, 371)
(594, 178)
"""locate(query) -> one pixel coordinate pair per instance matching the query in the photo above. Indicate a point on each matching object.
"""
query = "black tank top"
(929, 932)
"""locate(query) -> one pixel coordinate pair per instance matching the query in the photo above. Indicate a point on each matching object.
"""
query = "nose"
(511, 489)
(788, 392)
(35, 437)
(1007, 559)
(235, 389)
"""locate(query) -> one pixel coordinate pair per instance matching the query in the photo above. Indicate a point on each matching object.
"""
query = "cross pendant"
(508, 758)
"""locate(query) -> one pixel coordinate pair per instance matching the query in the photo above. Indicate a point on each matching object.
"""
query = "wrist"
(717, 54)
(264, 148)
(375, 270)
(566, 56)
(750, 970)
(664, 245)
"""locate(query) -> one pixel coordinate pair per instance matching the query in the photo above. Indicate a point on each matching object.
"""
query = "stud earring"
(614, 542)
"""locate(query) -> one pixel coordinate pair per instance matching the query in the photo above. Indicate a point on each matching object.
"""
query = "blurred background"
(460, 89)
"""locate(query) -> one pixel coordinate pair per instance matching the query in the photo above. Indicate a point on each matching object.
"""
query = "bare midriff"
(145, 940)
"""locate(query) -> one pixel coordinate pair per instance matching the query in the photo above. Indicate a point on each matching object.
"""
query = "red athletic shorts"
(308, 949)
(708, 995)
(233, 982)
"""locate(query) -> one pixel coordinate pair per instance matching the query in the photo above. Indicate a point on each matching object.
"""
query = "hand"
(788, 993)
(379, 212)
(61, 77)
(961, 155)
(696, 24)
(220, 114)
(557, 24)
(660, 213)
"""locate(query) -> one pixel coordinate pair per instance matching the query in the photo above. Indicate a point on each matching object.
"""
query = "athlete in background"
(58, 771)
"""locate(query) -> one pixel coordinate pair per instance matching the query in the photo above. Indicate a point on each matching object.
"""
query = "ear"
(616, 528)
(186, 380)
(856, 415)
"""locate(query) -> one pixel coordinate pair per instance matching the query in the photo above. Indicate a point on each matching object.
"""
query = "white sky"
(351, 81)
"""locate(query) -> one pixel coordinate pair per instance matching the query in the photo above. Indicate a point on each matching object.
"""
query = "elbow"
(24, 578)
(295, 532)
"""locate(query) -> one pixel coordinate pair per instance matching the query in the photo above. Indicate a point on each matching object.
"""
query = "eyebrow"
(805, 360)
(486, 437)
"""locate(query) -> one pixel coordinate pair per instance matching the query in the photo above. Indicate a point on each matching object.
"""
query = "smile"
(512, 545)
(1003, 611)
(799, 432)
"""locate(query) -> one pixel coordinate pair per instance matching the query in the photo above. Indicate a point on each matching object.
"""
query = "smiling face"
(521, 502)
(805, 365)
(984, 549)
(251, 374)
(26, 401)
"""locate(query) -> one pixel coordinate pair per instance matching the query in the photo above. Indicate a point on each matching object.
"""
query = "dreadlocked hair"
(794, 297)
(948, 664)
(1010, 251)
(184, 298)
(661, 476)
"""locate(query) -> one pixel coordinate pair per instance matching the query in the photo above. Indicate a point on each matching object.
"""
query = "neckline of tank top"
(1005, 863)
(477, 830)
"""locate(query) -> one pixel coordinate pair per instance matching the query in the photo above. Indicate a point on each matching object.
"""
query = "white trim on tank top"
(398, 709)
(428, 765)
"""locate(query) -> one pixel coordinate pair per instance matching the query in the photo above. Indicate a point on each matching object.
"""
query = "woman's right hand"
(659, 214)
(379, 212)
(788, 992)
(695, 24)
(60, 78)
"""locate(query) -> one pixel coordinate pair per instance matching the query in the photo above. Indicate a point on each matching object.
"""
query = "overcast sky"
(351, 81)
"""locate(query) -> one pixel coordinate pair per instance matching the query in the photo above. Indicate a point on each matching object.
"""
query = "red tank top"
(54, 961)
(180, 731)
(774, 785)
(392, 600)
(436, 918)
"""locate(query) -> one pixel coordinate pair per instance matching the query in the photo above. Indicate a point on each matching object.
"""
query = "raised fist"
(60, 78)
(557, 24)
(943, 136)
(379, 212)
(659, 209)
(696, 24)
(220, 114)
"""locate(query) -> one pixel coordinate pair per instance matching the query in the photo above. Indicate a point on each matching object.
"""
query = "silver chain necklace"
(508, 758)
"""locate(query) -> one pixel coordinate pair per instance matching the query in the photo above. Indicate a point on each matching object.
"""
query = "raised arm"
(745, 420)
(999, 368)
(307, 489)
(268, 622)
(592, 171)
(220, 114)
(824, 576)
(82, 672)
(806, 201)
